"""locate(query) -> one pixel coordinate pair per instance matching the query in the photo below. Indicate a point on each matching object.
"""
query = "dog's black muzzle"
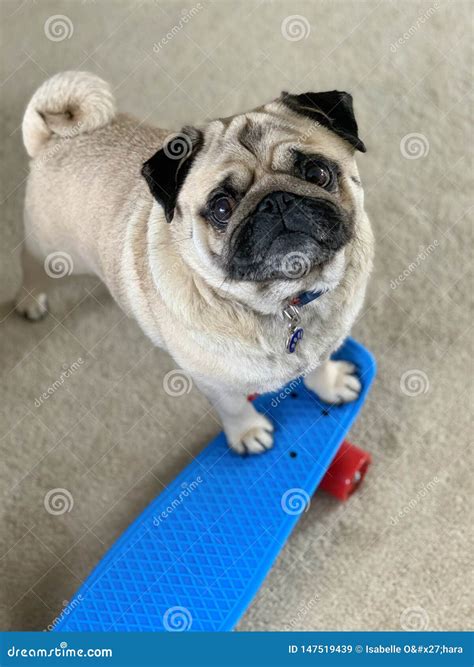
(286, 236)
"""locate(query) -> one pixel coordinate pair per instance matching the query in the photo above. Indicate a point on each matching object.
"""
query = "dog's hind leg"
(31, 301)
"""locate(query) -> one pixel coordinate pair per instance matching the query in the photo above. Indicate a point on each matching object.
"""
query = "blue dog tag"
(293, 339)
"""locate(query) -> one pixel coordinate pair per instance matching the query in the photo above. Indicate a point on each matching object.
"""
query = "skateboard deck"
(196, 556)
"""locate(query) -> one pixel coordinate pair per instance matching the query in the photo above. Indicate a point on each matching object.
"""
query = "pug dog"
(240, 246)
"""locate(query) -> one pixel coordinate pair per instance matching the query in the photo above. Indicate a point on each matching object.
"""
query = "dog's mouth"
(287, 237)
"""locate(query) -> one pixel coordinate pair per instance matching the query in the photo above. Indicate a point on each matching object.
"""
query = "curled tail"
(67, 104)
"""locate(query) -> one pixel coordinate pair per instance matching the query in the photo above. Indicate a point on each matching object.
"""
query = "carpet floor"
(397, 555)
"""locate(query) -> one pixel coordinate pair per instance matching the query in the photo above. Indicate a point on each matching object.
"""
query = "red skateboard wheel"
(346, 471)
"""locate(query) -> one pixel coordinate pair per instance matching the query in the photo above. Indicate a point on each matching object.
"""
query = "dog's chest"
(270, 365)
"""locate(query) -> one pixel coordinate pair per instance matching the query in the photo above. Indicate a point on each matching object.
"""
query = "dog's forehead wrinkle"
(256, 131)
(250, 136)
(213, 136)
(260, 127)
(239, 173)
(235, 126)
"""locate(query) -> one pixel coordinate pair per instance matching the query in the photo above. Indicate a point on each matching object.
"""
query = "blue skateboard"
(197, 555)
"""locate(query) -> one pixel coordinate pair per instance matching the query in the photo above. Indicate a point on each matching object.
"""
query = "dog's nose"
(276, 202)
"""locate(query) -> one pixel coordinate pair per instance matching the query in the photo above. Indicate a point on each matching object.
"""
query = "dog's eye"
(221, 208)
(318, 173)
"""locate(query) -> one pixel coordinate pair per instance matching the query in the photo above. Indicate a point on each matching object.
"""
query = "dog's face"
(265, 203)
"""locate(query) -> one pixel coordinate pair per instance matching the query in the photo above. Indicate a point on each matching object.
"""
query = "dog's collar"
(306, 297)
(292, 314)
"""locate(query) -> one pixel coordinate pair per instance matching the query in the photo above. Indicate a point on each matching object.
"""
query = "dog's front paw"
(335, 382)
(251, 435)
(32, 308)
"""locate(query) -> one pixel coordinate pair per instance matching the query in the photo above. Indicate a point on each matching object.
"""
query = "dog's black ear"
(166, 170)
(333, 109)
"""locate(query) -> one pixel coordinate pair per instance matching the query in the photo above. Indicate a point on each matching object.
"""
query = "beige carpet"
(397, 554)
